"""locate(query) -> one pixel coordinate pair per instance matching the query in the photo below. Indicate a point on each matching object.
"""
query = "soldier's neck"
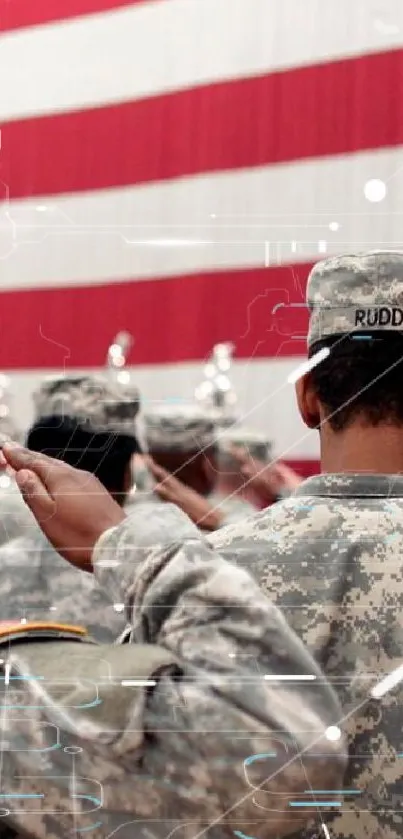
(363, 448)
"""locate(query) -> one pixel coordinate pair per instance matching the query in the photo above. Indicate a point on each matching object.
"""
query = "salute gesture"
(85, 509)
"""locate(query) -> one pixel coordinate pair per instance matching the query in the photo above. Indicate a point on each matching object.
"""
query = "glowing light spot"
(333, 733)
(375, 190)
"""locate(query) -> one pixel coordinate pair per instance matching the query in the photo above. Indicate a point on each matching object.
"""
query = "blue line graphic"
(252, 759)
(91, 827)
(22, 678)
(89, 798)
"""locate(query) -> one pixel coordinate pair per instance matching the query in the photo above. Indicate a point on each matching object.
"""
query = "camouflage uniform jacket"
(37, 584)
(15, 517)
(331, 556)
(187, 754)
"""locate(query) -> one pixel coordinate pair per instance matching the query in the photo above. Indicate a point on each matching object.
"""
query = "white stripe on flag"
(111, 234)
(159, 47)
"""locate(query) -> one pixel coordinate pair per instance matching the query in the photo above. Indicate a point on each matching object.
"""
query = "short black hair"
(105, 455)
(361, 378)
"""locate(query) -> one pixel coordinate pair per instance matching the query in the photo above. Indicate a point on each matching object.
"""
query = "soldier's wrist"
(213, 521)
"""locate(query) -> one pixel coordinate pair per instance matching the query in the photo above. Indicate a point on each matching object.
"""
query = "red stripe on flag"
(172, 320)
(304, 468)
(19, 14)
(336, 108)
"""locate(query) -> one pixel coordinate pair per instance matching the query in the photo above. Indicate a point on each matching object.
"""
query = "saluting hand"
(71, 506)
(269, 481)
(169, 488)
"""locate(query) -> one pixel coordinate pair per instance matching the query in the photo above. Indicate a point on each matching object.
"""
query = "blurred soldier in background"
(180, 440)
(14, 515)
(232, 491)
(332, 554)
(269, 480)
(246, 473)
(88, 423)
(184, 460)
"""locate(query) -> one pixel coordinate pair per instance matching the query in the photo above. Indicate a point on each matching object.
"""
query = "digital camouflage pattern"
(178, 428)
(190, 756)
(331, 557)
(95, 403)
(37, 584)
(357, 292)
(15, 517)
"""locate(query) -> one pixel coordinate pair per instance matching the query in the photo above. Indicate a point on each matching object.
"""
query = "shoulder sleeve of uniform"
(121, 550)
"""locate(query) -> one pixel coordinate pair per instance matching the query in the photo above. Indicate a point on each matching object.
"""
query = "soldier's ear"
(308, 402)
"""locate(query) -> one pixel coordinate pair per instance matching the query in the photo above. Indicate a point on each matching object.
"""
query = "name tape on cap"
(377, 316)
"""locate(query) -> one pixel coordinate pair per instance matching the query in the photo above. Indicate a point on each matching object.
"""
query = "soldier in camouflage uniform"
(15, 517)
(331, 555)
(183, 440)
(87, 422)
(231, 492)
(178, 738)
(269, 480)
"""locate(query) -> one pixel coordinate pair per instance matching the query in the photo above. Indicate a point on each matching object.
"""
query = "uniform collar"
(352, 486)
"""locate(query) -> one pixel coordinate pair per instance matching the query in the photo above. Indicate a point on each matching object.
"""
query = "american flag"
(173, 168)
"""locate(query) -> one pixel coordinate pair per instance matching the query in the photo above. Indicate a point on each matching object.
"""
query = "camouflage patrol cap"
(178, 428)
(94, 403)
(355, 293)
(257, 445)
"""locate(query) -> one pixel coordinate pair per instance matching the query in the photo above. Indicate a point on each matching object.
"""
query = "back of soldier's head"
(356, 329)
(253, 443)
(89, 423)
(238, 436)
(182, 439)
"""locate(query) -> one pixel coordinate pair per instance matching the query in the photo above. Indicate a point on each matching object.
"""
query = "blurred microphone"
(117, 356)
